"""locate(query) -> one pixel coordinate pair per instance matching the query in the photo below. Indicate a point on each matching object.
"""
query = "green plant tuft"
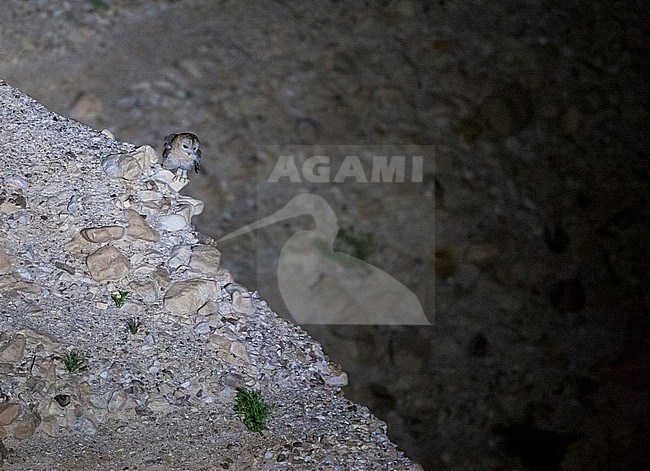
(252, 410)
(119, 297)
(133, 325)
(361, 246)
(100, 4)
(74, 361)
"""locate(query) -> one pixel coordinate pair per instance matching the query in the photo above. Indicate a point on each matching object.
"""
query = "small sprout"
(252, 410)
(133, 325)
(74, 361)
(119, 297)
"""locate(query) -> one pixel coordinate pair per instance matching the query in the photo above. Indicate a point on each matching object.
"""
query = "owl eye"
(185, 146)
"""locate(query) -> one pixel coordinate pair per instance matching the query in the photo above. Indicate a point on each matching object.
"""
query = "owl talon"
(181, 176)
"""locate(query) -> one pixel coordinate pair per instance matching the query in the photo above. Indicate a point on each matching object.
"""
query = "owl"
(181, 154)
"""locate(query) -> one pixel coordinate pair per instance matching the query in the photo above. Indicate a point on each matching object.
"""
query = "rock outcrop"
(123, 339)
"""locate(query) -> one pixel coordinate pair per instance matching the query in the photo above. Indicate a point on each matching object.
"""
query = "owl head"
(186, 144)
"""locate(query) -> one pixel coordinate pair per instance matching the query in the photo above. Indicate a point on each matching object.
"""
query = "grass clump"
(119, 297)
(74, 361)
(133, 325)
(99, 4)
(252, 410)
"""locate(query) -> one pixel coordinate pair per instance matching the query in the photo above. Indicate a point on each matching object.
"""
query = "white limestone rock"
(173, 222)
(108, 263)
(138, 228)
(26, 426)
(99, 235)
(196, 205)
(180, 256)
(5, 262)
(129, 165)
(206, 260)
(148, 291)
(167, 178)
(122, 166)
(188, 296)
(9, 411)
(14, 351)
(241, 298)
(117, 401)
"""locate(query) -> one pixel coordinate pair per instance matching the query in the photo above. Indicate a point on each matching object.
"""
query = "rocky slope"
(84, 217)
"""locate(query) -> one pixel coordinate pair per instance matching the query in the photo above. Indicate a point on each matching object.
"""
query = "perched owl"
(181, 154)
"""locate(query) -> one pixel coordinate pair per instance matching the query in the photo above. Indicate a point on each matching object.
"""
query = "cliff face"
(84, 220)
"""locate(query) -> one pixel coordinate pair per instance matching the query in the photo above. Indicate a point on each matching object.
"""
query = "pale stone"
(117, 401)
(224, 276)
(99, 235)
(206, 260)
(243, 303)
(232, 359)
(337, 380)
(77, 246)
(208, 309)
(221, 342)
(5, 262)
(15, 283)
(8, 412)
(108, 133)
(180, 256)
(167, 178)
(161, 277)
(138, 228)
(188, 296)
(122, 166)
(146, 156)
(173, 222)
(107, 263)
(86, 425)
(196, 205)
(149, 196)
(158, 404)
(13, 352)
(147, 291)
(202, 328)
(52, 408)
(50, 427)
(47, 370)
(26, 426)
(35, 336)
(239, 350)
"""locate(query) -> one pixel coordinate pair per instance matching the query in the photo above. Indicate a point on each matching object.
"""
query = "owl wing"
(197, 159)
(168, 144)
